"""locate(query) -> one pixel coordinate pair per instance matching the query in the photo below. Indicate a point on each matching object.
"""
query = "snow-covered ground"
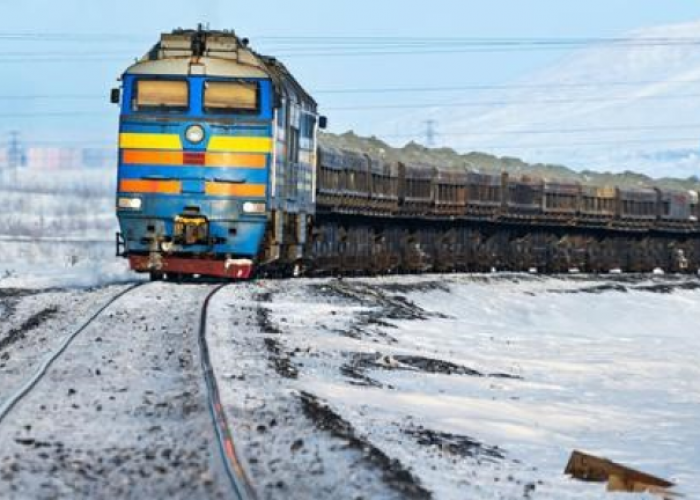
(122, 413)
(472, 386)
(57, 229)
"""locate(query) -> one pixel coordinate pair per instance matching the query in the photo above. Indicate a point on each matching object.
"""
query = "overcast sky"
(76, 74)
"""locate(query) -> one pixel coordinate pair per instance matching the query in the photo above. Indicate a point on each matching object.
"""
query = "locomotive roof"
(216, 53)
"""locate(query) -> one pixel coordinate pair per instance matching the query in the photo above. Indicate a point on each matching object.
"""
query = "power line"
(111, 144)
(50, 97)
(465, 133)
(477, 104)
(373, 39)
(319, 55)
(563, 131)
(363, 46)
(347, 43)
(455, 133)
(463, 39)
(70, 37)
(51, 114)
(380, 90)
(372, 107)
(28, 97)
(82, 59)
(684, 140)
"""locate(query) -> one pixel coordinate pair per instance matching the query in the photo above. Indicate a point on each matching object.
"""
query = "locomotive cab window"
(232, 98)
(161, 95)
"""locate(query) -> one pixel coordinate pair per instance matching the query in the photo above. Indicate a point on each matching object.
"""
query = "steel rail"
(41, 371)
(240, 483)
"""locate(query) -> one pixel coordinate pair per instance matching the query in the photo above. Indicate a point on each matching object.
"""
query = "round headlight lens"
(195, 134)
(130, 203)
(250, 207)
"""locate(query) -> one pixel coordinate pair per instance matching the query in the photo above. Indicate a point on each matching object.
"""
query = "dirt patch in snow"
(382, 305)
(454, 444)
(358, 376)
(262, 314)
(32, 323)
(596, 289)
(391, 306)
(394, 473)
(14, 293)
(626, 284)
(439, 366)
(361, 362)
(417, 287)
(280, 360)
(669, 287)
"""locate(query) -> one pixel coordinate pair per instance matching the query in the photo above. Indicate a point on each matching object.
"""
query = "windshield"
(232, 97)
(161, 95)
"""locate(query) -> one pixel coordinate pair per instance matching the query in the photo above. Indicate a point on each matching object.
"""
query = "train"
(222, 174)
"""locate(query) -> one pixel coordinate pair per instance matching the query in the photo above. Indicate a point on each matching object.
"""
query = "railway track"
(238, 484)
(43, 368)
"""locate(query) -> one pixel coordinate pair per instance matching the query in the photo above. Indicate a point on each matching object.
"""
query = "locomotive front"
(196, 155)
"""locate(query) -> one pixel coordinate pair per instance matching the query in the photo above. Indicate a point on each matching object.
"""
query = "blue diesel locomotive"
(217, 158)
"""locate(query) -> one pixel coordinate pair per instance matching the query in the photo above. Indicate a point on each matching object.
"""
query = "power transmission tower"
(15, 155)
(430, 133)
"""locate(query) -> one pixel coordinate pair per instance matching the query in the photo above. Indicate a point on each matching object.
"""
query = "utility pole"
(430, 133)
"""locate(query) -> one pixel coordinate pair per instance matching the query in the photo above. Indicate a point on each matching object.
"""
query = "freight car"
(476, 221)
(220, 174)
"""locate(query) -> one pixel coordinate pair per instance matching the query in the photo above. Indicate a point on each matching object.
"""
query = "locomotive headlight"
(250, 207)
(195, 134)
(130, 203)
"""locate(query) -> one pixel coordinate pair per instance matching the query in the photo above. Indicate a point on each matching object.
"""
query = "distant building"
(57, 158)
(53, 158)
(99, 157)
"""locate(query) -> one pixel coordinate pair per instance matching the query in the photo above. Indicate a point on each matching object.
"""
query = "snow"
(85, 274)
(122, 412)
(282, 451)
(604, 365)
(464, 386)
(661, 95)
(57, 230)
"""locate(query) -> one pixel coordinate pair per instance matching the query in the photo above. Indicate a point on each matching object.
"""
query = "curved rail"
(21, 393)
(240, 483)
